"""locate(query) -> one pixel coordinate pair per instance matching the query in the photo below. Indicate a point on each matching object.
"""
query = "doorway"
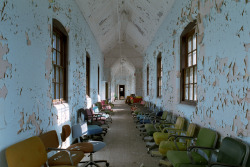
(106, 90)
(121, 92)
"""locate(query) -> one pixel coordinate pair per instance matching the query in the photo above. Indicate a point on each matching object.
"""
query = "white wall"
(26, 107)
(223, 64)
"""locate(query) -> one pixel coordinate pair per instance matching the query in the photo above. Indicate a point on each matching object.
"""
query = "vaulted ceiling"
(115, 22)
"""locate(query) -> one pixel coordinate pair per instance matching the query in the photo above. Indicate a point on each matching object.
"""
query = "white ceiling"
(134, 22)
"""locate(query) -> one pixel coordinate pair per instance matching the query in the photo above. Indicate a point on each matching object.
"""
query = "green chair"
(150, 129)
(166, 131)
(173, 142)
(206, 138)
(232, 153)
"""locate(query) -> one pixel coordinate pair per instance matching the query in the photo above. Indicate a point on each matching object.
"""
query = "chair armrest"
(223, 164)
(190, 148)
(170, 129)
(66, 150)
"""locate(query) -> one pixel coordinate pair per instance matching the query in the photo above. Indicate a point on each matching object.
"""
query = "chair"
(165, 132)
(154, 127)
(51, 143)
(232, 153)
(101, 115)
(173, 142)
(77, 132)
(206, 138)
(161, 136)
(28, 153)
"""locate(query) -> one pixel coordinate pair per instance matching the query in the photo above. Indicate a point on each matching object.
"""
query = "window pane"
(52, 90)
(189, 59)
(61, 75)
(191, 92)
(54, 41)
(195, 92)
(53, 74)
(58, 43)
(189, 44)
(186, 92)
(187, 76)
(194, 58)
(54, 57)
(191, 75)
(194, 42)
(61, 90)
(195, 74)
(57, 91)
(58, 58)
(57, 74)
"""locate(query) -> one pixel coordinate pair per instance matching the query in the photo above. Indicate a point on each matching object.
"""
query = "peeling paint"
(3, 92)
(32, 120)
(21, 122)
(247, 46)
(4, 64)
(27, 39)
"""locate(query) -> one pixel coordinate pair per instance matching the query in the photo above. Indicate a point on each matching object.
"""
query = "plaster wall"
(223, 60)
(26, 107)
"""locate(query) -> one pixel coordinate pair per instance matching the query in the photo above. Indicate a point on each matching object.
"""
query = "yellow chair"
(165, 146)
(28, 153)
(163, 135)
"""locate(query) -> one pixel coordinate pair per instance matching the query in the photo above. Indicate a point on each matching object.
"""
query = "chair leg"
(92, 162)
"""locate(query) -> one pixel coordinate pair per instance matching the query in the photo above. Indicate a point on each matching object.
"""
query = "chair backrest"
(179, 123)
(169, 117)
(66, 131)
(95, 110)
(27, 153)
(207, 138)
(191, 129)
(50, 139)
(164, 115)
(233, 152)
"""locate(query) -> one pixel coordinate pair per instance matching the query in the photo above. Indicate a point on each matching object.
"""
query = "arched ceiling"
(117, 21)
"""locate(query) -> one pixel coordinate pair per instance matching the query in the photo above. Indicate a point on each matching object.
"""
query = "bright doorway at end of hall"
(121, 92)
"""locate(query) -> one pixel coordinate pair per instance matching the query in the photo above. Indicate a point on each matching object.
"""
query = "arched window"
(189, 64)
(59, 61)
(98, 72)
(147, 80)
(87, 74)
(159, 75)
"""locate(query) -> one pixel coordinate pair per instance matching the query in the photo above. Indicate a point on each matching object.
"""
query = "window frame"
(87, 74)
(98, 73)
(59, 31)
(147, 80)
(159, 75)
(189, 31)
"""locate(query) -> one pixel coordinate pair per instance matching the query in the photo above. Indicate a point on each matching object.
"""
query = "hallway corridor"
(124, 148)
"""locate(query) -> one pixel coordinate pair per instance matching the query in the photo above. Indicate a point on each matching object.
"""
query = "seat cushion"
(84, 146)
(181, 157)
(62, 158)
(97, 145)
(159, 136)
(150, 129)
(94, 129)
(166, 146)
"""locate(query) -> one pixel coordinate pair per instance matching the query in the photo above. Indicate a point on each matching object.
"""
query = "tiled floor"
(125, 147)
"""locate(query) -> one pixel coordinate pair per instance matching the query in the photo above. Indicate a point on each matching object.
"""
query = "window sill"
(191, 103)
(58, 102)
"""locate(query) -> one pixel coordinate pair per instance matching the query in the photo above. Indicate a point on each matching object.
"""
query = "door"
(121, 92)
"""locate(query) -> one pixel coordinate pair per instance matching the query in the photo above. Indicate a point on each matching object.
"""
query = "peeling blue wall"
(223, 64)
(26, 107)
